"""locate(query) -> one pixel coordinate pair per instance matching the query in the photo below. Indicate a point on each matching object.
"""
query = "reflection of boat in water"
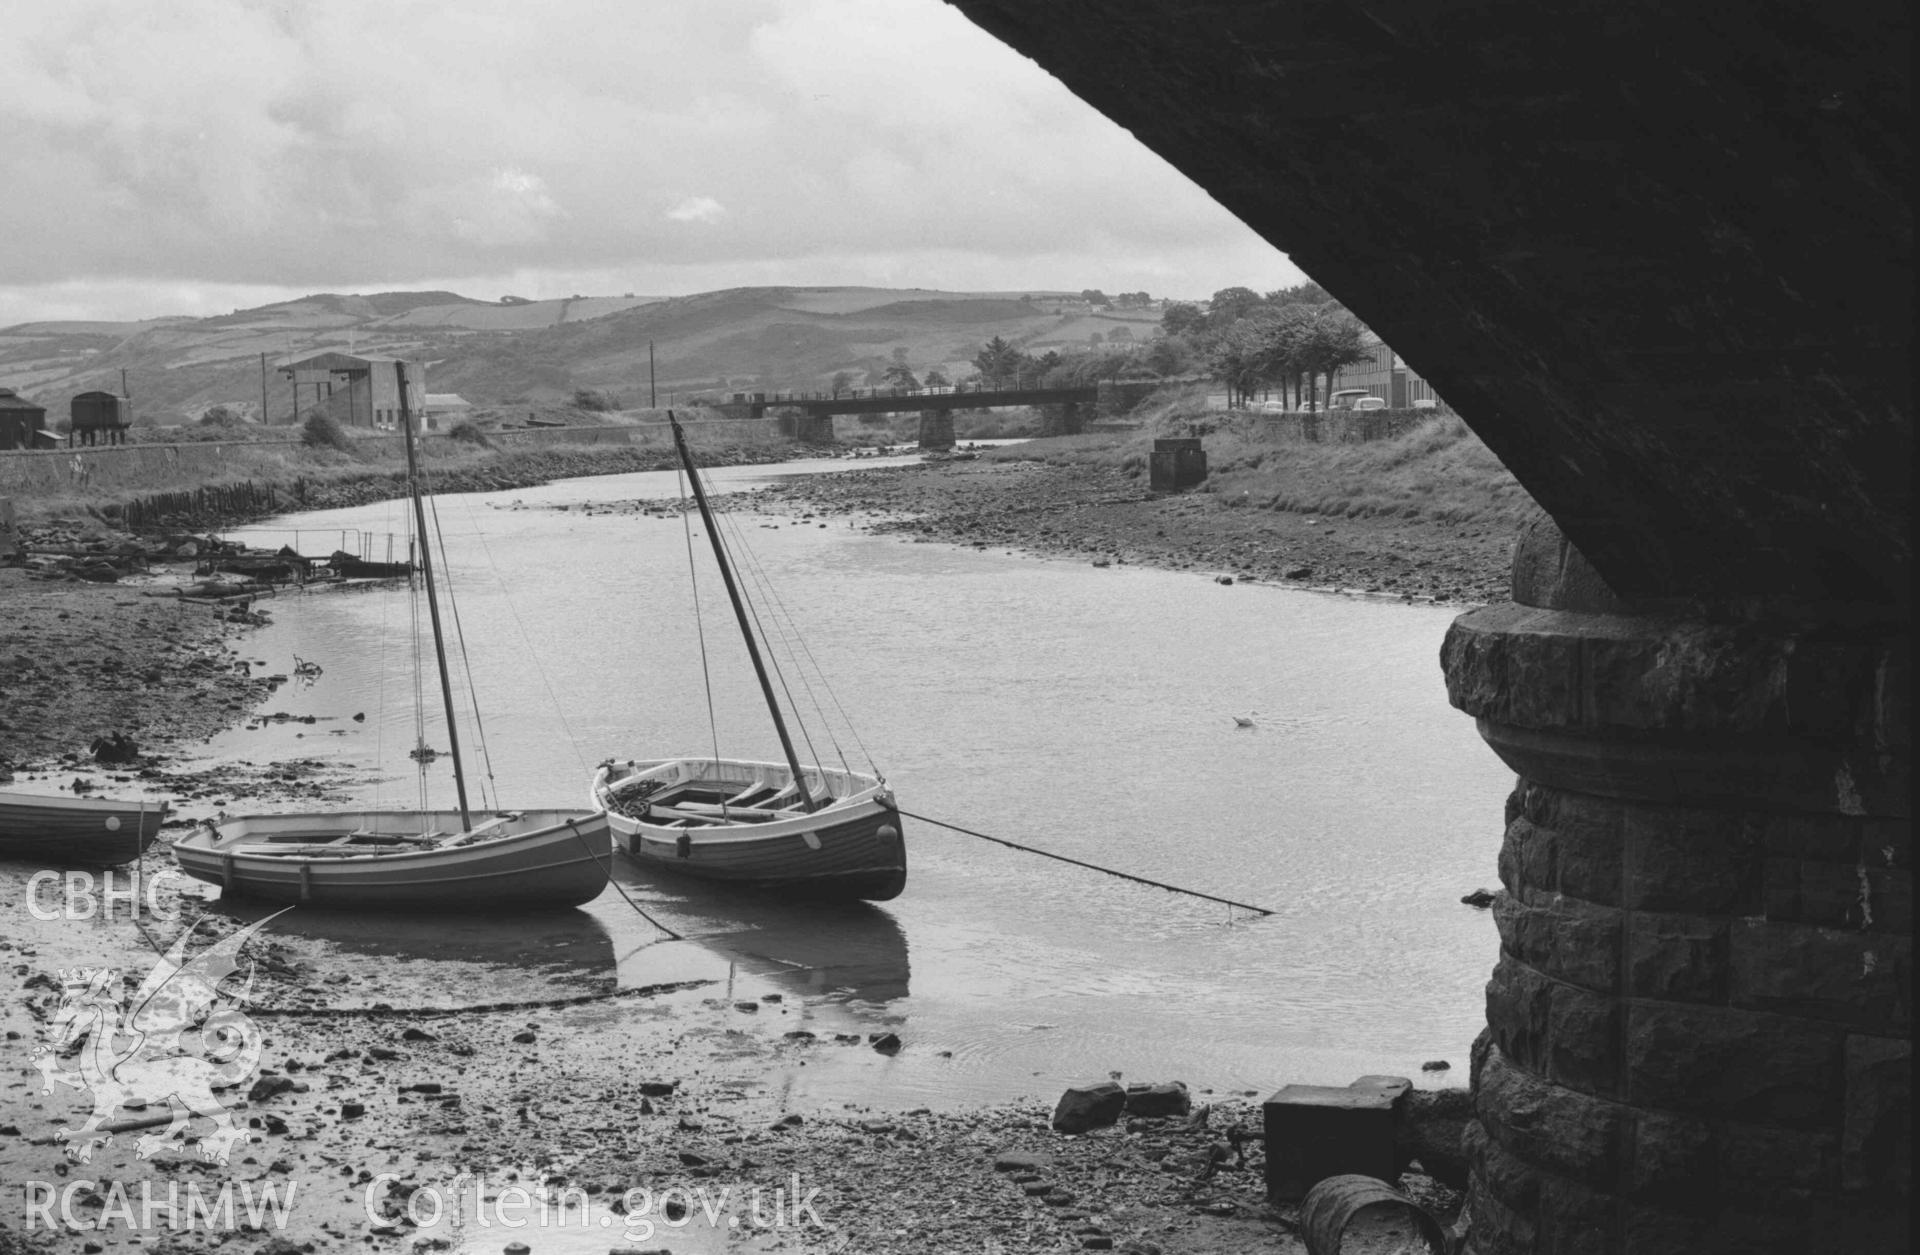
(554, 944)
(852, 949)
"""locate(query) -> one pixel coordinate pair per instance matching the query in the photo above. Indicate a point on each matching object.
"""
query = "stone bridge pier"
(1699, 1027)
(936, 429)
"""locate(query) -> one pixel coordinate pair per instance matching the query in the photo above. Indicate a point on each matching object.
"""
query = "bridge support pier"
(1699, 1026)
(807, 428)
(1064, 419)
(936, 429)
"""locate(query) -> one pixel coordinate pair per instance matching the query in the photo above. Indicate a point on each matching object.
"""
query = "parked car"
(1368, 403)
(1426, 403)
(1270, 407)
(1346, 397)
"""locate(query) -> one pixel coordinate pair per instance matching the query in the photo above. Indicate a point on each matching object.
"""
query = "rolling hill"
(513, 351)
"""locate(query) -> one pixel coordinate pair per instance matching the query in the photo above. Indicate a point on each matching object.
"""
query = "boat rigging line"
(752, 570)
(1141, 880)
(699, 621)
(788, 634)
(460, 639)
(433, 606)
(622, 888)
(807, 804)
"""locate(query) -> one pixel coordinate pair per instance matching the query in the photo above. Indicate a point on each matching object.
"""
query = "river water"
(1087, 711)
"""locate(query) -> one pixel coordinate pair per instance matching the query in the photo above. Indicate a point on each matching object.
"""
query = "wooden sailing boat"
(812, 831)
(470, 860)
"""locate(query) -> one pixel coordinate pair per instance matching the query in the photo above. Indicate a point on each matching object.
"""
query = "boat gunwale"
(87, 805)
(874, 793)
(212, 840)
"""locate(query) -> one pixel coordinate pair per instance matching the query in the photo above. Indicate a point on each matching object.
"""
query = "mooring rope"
(1140, 880)
(617, 885)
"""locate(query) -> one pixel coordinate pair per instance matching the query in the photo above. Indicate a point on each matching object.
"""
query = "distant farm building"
(447, 405)
(354, 391)
(98, 414)
(23, 425)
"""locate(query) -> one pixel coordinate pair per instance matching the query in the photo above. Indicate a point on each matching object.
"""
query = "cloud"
(229, 144)
(697, 209)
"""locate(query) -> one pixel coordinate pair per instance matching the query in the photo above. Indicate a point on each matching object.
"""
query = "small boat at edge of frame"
(80, 831)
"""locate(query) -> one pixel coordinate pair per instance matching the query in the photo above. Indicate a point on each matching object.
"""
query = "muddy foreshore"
(1108, 518)
(378, 1079)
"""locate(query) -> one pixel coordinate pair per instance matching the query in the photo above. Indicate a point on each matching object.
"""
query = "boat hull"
(544, 859)
(851, 849)
(90, 832)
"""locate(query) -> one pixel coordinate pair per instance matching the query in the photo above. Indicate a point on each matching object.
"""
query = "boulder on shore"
(1089, 1107)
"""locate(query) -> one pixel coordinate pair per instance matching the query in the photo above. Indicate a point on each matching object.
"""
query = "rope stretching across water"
(1139, 880)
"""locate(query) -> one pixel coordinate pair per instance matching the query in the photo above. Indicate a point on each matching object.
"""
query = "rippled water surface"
(1088, 711)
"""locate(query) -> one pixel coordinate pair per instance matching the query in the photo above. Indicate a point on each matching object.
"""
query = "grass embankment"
(1439, 471)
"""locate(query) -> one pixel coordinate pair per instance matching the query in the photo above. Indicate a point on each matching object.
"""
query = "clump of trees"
(592, 399)
(1289, 339)
(468, 432)
(321, 432)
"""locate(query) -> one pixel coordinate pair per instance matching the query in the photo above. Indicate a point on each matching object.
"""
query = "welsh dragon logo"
(174, 1041)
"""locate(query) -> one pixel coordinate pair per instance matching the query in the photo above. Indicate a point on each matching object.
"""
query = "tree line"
(1288, 340)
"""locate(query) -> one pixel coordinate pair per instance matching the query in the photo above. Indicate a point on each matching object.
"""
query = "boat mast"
(740, 611)
(433, 603)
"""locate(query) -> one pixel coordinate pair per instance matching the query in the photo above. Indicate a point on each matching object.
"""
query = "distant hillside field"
(513, 351)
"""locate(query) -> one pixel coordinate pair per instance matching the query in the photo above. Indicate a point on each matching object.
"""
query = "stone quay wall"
(1699, 1026)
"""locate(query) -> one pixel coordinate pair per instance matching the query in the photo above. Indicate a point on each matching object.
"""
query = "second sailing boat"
(464, 859)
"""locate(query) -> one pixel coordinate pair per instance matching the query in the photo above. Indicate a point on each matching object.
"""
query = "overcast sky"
(197, 156)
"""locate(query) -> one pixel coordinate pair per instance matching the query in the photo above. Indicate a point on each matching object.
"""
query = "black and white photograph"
(955, 627)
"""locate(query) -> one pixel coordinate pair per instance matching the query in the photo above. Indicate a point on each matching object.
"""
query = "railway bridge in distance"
(812, 413)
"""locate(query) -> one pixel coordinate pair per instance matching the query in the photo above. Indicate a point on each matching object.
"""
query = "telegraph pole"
(653, 398)
(263, 389)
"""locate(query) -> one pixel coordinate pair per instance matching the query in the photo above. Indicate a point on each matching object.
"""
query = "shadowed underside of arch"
(1659, 257)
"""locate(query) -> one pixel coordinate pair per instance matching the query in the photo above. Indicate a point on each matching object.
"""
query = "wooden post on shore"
(9, 535)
